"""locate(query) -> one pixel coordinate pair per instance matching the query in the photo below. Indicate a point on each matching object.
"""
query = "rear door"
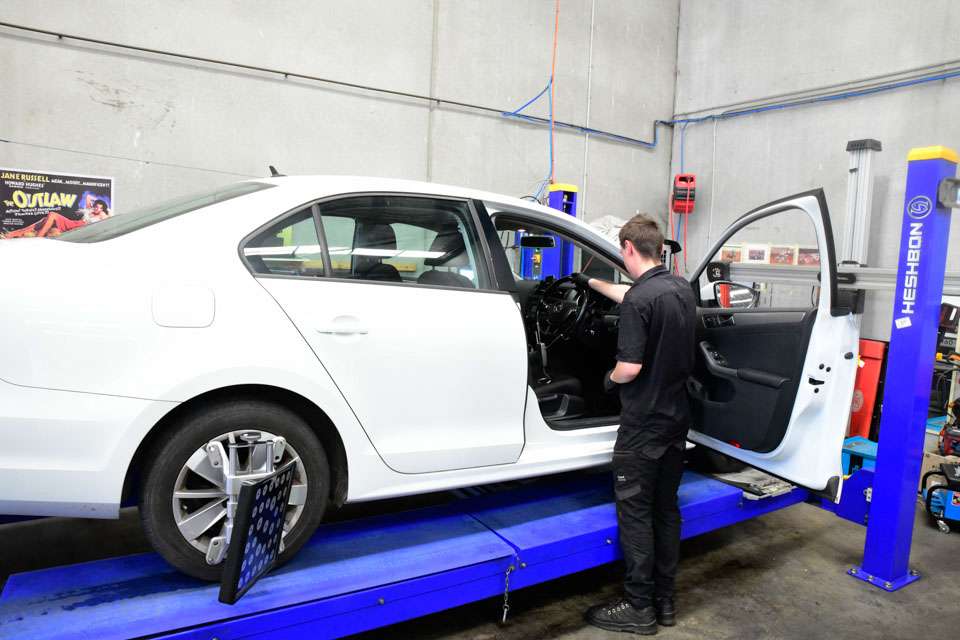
(395, 296)
(776, 349)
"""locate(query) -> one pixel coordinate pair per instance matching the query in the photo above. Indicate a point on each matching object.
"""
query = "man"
(98, 212)
(655, 355)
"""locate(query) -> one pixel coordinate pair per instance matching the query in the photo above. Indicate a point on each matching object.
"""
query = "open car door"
(776, 350)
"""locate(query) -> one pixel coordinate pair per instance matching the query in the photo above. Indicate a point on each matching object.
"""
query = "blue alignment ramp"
(362, 574)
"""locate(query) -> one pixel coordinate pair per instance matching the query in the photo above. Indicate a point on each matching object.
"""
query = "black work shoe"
(623, 616)
(666, 612)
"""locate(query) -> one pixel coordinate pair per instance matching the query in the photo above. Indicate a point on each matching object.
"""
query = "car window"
(764, 262)
(291, 247)
(125, 223)
(402, 239)
(565, 257)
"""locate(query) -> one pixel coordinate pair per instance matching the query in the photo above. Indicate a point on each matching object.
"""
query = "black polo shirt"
(657, 330)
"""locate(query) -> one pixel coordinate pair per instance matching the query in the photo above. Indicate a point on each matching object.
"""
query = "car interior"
(379, 238)
(571, 332)
(400, 239)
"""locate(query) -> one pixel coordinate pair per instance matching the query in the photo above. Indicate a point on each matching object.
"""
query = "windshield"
(558, 259)
(138, 219)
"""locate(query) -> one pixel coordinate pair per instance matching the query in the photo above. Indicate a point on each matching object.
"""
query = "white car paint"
(448, 366)
(101, 340)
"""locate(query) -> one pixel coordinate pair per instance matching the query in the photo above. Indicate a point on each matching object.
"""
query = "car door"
(396, 298)
(776, 347)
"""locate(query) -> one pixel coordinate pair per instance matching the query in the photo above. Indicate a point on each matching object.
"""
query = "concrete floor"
(778, 576)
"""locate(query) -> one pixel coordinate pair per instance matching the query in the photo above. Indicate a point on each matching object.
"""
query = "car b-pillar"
(924, 239)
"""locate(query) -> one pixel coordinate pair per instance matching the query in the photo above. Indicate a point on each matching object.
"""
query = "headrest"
(375, 236)
(449, 242)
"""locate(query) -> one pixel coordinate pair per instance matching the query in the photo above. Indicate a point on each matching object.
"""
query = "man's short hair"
(646, 237)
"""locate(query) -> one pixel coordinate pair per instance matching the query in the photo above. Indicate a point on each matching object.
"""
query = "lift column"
(564, 198)
(916, 312)
(537, 264)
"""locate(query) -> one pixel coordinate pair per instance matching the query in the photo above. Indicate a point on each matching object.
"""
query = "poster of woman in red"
(39, 204)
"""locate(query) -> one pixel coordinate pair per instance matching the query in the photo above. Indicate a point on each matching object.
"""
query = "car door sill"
(573, 424)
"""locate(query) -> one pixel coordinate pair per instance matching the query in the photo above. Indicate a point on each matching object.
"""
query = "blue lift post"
(557, 261)
(924, 239)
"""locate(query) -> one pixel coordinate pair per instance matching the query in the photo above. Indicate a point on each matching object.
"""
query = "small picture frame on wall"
(783, 254)
(808, 257)
(731, 253)
(757, 253)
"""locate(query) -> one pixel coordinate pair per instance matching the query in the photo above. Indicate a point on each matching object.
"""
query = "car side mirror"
(537, 242)
(733, 295)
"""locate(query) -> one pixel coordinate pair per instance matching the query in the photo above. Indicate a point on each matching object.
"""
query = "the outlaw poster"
(38, 204)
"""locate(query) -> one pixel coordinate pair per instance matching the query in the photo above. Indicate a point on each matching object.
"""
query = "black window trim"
(487, 282)
(617, 263)
(499, 265)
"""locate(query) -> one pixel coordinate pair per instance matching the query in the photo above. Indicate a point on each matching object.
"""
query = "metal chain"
(506, 594)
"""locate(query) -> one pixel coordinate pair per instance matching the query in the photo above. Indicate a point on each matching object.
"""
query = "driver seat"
(559, 396)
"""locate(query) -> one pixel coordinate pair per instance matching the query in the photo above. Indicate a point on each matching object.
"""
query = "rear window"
(138, 219)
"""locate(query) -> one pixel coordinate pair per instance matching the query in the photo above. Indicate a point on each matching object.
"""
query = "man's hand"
(613, 291)
(624, 372)
(581, 280)
(609, 385)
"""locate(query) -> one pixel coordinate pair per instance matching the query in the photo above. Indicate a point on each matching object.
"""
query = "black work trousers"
(649, 521)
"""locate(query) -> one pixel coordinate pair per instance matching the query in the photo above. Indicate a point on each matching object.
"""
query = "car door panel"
(772, 387)
(763, 353)
(434, 373)
(436, 376)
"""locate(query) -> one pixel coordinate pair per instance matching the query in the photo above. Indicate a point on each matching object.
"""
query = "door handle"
(715, 321)
(343, 326)
(343, 332)
(717, 365)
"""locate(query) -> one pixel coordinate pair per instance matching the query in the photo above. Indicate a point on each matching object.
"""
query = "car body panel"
(435, 375)
(101, 340)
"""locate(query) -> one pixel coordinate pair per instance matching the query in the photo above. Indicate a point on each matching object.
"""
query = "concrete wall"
(739, 51)
(162, 127)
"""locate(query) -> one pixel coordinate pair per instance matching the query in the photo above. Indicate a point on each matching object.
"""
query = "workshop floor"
(778, 576)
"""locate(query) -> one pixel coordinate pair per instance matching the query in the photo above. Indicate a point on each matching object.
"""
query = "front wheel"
(183, 503)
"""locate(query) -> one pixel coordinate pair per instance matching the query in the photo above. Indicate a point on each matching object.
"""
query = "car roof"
(316, 186)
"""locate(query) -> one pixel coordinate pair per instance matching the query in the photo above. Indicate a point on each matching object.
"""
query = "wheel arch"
(312, 414)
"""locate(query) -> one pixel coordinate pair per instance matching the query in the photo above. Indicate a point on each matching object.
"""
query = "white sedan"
(402, 337)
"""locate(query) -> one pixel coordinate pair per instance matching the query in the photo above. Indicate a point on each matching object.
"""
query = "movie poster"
(37, 204)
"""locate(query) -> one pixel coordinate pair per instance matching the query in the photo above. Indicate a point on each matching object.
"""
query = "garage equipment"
(856, 233)
(866, 387)
(259, 455)
(363, 574)
(684, 193)
(916, 316)
(557, 261)
(942, 499)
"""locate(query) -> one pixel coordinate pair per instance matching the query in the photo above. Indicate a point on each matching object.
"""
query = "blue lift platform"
(363, 574)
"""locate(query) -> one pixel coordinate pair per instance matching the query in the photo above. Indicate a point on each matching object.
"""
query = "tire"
(165, 470)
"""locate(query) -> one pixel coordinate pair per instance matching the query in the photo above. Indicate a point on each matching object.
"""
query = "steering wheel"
(561, 310)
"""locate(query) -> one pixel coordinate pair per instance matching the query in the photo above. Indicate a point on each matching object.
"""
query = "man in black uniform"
(655, 355)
